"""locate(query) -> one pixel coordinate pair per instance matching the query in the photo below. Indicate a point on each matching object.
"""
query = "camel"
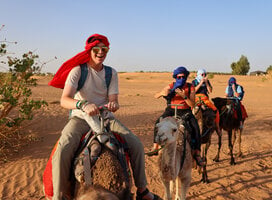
(175, 159)
(229, 122)
(106, 167)
(206, 121)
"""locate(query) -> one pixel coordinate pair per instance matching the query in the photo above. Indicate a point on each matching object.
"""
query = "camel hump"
(98, 165)
(108, 174)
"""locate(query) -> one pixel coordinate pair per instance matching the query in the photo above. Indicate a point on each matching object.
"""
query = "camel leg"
(171, 187)
(240, 154)
(167, 194)
(216, 158)
(202, 150)
(234, 132)
(232, 162)
(185, 181)
(204, 173)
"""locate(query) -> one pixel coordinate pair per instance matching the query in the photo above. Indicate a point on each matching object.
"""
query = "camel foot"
(205, 180)
(232, 162)
(216, 159)
(240, 155)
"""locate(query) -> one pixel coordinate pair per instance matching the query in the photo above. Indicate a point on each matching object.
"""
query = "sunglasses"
(104, 49)
(180, 77)
(203, 74)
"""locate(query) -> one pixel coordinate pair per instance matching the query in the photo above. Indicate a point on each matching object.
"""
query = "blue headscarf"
(199, 76)
(180, 82)
(181, 70)
(231, 81)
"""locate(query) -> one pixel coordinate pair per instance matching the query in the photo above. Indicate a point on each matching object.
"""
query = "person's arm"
(164, 92)
(198, 85)
(226, 91)
(113, 104)
(236, 94)
(209, 86)
(67, 101)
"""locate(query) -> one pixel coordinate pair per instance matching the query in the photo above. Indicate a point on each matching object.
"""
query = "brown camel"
(206, 121)
(229, 123)
(175, 160)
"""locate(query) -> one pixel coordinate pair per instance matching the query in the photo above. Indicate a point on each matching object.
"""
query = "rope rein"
(154, 151)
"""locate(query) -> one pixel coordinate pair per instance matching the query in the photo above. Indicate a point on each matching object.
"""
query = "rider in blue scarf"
(186, 100)
(235, 91)
(180, 82)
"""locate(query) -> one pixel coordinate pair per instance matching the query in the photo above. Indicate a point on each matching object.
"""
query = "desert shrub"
(210, 76)
(15, 91)
(16, 102)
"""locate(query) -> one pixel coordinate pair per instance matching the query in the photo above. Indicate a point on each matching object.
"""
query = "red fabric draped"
(59, 79)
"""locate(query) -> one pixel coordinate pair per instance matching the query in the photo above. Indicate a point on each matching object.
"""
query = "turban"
(59, 79)
(232, 80)
(199, 76)
(181, 70)
(179, 82)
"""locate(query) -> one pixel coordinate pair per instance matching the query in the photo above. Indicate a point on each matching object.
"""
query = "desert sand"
(250, 178)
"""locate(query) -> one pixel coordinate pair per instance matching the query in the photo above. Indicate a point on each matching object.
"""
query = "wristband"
(80, 104)
(84, 103)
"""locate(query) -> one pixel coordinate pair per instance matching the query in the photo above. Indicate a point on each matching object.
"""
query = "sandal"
(199, 161)
(140, 196)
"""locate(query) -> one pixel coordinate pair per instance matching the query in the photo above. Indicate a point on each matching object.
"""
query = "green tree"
(241, 67)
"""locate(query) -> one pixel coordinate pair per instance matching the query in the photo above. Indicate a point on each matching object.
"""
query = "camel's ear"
(160, 119)
(195, 109)
(181, 127)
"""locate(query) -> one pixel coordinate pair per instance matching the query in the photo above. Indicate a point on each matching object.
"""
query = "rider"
(181, 92)
(236, 91)
(93, 94)
(203, 87)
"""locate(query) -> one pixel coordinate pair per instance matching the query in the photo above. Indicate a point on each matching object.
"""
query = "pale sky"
(144, 35)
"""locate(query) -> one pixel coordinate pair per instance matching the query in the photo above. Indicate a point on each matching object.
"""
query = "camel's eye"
(174, 130)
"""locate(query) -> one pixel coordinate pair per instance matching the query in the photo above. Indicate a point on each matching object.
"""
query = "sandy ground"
(250, 178)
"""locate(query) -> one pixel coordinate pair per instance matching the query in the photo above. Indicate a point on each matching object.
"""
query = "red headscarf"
(59, 79)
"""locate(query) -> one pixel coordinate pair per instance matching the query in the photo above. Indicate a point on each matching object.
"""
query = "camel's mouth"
(161, 140)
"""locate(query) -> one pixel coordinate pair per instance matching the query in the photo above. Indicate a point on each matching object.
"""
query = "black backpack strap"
(108, 75)
(83, 76)
(84, 73)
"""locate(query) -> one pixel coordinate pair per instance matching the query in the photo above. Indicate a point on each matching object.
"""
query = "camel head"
(168, 130)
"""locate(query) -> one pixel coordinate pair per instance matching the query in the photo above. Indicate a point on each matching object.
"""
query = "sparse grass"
(210, 76)
(12, 141)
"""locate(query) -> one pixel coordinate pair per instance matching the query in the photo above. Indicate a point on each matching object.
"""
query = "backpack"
(84, 73)
(241, 96)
